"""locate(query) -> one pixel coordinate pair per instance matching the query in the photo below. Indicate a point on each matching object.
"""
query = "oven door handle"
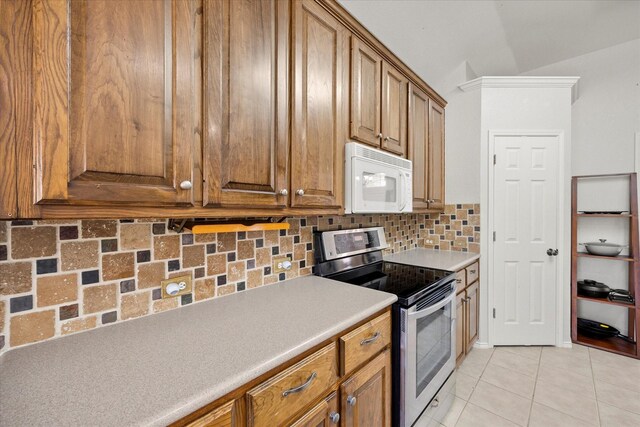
(432, 309)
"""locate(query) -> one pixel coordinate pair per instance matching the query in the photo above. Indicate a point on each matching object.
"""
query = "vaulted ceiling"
(495, 37)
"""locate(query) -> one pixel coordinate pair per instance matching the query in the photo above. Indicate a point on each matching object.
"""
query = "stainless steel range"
(424, 327)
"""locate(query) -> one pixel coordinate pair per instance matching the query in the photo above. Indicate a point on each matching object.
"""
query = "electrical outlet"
(176, 286)
(281, 263)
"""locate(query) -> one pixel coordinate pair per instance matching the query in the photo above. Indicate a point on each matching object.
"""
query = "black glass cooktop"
(408, 282)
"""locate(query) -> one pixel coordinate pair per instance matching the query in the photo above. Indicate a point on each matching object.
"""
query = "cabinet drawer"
(277, 399)
(361, 344)
(472, 273)
(461, 281)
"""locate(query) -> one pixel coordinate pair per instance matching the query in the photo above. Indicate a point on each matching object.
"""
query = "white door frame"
(564, 244)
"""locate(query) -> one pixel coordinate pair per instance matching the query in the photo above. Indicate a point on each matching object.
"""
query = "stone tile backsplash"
(61, 277)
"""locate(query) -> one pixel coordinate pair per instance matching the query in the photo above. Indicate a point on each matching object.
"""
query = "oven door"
(377, 187)
(429, 353)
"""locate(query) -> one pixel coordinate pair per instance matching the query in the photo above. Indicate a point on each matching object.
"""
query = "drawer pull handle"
(458, 280)
(472, 271)
(371, 339)
(300, 387)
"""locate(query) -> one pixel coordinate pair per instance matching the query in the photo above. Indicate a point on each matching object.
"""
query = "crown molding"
(523, 82)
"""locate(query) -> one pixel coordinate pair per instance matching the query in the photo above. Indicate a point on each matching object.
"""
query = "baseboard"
(482, 345)
(566, 344)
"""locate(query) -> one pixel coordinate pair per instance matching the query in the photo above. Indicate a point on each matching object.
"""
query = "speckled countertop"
(430, 258)
(157, 369)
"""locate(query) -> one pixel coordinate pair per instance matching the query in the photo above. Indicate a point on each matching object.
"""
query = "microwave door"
(376, 187)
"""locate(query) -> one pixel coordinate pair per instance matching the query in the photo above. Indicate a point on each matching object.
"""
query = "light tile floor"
(546, 387)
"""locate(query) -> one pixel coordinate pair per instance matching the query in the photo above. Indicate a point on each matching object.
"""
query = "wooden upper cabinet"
(378, 107)
(365, 93)
(419, 145)
(394, 110)
(114, 93)
(246, 89)
(366, 396)
(318, 127)
(436, 165)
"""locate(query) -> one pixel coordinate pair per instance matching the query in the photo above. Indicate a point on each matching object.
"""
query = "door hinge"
(494, 313)
(494, 159)
(494, 236)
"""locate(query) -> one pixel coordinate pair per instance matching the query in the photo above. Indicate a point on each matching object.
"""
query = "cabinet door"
(366, 396)
(472, 316)
(320, 79)
(365, 93)
(321, 415)
(227, 415)
(245, 132)
(436, 156)
(394, 110)
(460, 327)
(115, 101)
(419, 145)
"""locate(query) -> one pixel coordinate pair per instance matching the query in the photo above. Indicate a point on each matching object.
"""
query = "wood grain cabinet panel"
(318, 128)
(279, 398)
(321, 415)
(394, 110)
(472, 314)
(246, 88)
(227, 415)
(366, 396)
(418, 140)
(361, 344)
(365, 93)
(115, 90)
(460, 327)
(436, 165)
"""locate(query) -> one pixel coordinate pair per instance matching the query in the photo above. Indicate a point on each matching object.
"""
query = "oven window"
(378, 187)
(433, 346)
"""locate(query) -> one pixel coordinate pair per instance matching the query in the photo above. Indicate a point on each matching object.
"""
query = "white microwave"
(376, 182)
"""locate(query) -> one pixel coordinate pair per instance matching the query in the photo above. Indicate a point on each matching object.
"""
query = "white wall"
(607, 113)
(605, 119)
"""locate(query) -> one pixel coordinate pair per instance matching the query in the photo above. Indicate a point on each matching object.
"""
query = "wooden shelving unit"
(615, 345)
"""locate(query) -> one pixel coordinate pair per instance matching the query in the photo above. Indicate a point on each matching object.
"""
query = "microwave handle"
(402, 187)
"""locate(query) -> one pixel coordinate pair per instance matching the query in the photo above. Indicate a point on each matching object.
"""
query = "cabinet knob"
(351, 400)
(186, 185)
(300, 192)
(467, 299)
(380, 135)
(334, 417)
(435, 403)
(386, 138)
(284, 192)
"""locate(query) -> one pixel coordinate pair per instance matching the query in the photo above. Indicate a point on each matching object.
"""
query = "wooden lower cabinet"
(366, 396)
(472, 298)
(324, 414)
(310, 392)
(467, 311)
(460, 327)
(227, 415)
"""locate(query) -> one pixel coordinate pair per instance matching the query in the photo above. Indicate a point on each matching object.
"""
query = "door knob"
(300, 192)
(334, 417)
(186, 185)
(284, 192)
(552, 252)
(351, 400)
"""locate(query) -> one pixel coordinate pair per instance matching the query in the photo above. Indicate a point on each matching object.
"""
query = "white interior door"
(525, 221)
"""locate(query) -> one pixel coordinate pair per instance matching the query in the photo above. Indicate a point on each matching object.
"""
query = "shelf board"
(606, 301)
(617, 258)
(614, 345)
(605, 215)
